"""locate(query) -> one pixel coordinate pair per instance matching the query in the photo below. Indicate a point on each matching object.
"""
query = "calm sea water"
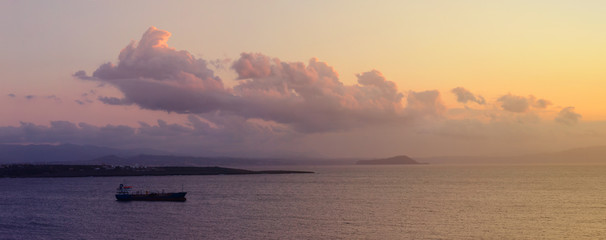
(351, 202)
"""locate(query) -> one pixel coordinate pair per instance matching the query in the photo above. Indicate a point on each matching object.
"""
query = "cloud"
(464, 96)
(519, 104)
(538, 103)
(65, 132)
(84, 97)
(221, 64)
(568, 116)
(514, 103)
(55, 98)
(272, 103)
(307, 97)
(32, 97)
(198, 136)
(114, 101)
(425, 103)
(158, 77)
(83, 102)
(82, 75)
(252, 65)
(311, 97)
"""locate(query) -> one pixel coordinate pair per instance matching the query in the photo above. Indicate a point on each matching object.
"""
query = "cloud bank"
(307, 97)
(197, 136)
(275, 105)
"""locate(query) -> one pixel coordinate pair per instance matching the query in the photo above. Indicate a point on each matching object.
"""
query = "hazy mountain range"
(87, 154)
(587, 155)
(44, 153)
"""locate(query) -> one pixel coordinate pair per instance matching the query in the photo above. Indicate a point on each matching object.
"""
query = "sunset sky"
(305, 78)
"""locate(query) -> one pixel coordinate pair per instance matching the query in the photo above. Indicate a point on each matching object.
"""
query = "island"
(392, 160)
(42, 171)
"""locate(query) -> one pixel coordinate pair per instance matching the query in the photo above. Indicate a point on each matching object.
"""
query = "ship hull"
(175, 197)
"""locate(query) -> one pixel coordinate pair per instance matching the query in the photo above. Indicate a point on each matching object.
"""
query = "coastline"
(44, 171)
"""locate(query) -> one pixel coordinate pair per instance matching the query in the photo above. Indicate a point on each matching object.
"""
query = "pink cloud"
(251, 65)
(308, 97)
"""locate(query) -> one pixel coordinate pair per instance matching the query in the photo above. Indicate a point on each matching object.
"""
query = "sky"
(305, 78)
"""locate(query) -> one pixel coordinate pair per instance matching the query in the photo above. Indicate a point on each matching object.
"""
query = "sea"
(335, 202)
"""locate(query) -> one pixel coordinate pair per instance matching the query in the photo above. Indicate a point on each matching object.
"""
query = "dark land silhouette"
(39, 170)
(392, 160)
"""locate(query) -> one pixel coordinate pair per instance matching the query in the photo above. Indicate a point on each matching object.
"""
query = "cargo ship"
(124, 194)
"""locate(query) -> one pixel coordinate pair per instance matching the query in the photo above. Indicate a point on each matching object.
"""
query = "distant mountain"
(86, 154)
(587, 155)
(596, 154)
(45, 153)
(171, 160)
(393, 160)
